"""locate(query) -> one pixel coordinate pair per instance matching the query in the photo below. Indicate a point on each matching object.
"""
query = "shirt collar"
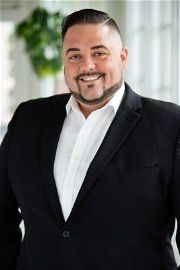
(114, 102)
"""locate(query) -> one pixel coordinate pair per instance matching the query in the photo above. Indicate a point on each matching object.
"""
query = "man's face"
(94, 62)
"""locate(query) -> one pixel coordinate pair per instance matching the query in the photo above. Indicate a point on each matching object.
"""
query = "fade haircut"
(87, 16)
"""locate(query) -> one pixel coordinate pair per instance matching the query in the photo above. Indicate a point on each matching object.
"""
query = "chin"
(91, 97)
(92, 94)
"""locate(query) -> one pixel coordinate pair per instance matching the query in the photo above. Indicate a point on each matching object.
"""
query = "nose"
(87, 64)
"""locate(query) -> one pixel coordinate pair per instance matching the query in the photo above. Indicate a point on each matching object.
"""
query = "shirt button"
(66, 234)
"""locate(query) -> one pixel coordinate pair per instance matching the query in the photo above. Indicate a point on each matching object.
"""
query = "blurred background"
(150, 29)
(30, 62)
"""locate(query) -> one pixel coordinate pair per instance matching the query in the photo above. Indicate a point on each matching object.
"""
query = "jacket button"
(66, 234)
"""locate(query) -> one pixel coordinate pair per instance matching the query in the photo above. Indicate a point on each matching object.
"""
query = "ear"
(124, 57)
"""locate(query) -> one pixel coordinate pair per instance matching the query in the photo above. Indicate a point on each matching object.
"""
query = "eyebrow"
(92, 48)
(72, 49)
(99, 47)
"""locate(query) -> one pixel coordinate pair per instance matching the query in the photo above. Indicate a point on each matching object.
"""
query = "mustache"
(90, 74)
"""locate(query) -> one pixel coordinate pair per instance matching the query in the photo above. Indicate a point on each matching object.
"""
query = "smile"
(90, 78)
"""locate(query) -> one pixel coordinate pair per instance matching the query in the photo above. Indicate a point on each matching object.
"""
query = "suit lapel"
(125, 120)
(53, 122)
(123, 123)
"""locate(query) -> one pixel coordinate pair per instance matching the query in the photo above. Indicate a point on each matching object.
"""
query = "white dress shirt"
(79, 142)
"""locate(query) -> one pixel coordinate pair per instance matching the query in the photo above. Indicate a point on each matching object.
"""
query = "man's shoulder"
(33, 109)
(40, 104)
(47, 101)
(160, 105)
(168, 111)
(150, 106)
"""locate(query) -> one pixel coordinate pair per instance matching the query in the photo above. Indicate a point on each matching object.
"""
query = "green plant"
(41, 33)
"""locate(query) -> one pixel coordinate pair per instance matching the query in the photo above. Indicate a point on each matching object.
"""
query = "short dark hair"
(87, 16)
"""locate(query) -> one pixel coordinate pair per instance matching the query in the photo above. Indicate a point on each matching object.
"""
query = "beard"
(106, 95)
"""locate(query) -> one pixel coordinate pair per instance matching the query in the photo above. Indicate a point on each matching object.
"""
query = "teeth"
(90, 78)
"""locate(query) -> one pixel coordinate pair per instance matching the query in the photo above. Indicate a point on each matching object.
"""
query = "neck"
(88, 109)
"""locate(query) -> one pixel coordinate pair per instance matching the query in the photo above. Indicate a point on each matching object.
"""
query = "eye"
(99, 53)
(75, 57)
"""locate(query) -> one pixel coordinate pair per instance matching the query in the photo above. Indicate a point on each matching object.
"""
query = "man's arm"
(175, 190)
(10, 217)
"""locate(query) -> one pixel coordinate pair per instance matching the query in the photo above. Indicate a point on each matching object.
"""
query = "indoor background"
(150, 29)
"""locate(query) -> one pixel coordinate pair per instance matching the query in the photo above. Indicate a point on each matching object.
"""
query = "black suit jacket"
(124, 215)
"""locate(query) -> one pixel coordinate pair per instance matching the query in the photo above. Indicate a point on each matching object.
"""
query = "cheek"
(114, 73)
(111, 66)
(118, 69)
(70, 72)
(70, 75)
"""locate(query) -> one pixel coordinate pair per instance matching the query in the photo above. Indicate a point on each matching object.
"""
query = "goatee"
(107, 94)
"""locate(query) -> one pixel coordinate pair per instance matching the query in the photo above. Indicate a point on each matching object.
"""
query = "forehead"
(87, 35)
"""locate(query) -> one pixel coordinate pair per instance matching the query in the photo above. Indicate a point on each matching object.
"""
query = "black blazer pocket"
(141, 173)
(142, 184)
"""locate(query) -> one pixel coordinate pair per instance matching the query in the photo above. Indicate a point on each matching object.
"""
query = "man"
(96, 174)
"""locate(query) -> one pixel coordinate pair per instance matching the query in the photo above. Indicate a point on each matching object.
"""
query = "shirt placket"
(74, 164)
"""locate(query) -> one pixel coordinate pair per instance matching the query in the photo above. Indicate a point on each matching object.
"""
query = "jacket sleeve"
(10, 217)
(175, 190)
